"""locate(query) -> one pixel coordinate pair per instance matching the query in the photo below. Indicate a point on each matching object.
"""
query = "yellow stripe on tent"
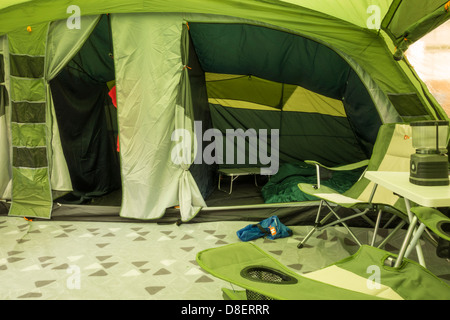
(209, 76)
(303, 100)
(236, 91)
(241, 104)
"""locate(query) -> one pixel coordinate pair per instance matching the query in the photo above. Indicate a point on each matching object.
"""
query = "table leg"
(377, 225)
(414, 243)
(231, 184)
(408, 244)
(232, 178)
(417, 233)
(406, 241)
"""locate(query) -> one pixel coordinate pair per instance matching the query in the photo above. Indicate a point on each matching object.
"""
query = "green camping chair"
(361, 276)
(391, 152)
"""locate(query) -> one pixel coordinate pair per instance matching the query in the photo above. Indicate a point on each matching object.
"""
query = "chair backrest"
(391, 152)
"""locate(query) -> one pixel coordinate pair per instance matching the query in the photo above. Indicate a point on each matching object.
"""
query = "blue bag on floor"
(271, 228)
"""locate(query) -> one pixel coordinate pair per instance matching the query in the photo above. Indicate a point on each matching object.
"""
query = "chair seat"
(346, 279)
(327, 193)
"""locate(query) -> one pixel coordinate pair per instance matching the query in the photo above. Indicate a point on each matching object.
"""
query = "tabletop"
(240, 171)
(398, 182)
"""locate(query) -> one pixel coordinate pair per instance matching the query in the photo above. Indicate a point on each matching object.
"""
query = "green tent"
(322, 75)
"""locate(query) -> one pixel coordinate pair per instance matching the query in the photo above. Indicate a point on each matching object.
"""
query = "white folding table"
(234, 173)
(427, 196)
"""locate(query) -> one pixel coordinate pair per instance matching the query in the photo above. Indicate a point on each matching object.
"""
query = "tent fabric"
(397, 15)
(417, 28)
(30, 162)
(301, 135)
(204, 174)
(327, 74)
(215, 43)
(146, 121)
(402, 15)
(357, 12)
(315, 25)
(189, 196)
(87, 143)
(5, 164)
(38, 94)
(355, 85)
(62, 44)
(79, 94)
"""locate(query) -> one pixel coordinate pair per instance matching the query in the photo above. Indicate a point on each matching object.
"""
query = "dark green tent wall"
(285, 58)
(332, 55)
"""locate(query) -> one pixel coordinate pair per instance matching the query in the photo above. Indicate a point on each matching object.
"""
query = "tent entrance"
(87, 119)
(261, 78)
(254, 78)
(241, 76)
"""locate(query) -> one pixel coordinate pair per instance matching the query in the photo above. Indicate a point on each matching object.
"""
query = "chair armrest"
(345, 167)
(433, 219)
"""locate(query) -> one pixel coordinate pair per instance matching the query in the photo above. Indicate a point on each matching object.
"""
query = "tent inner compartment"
(241, 76)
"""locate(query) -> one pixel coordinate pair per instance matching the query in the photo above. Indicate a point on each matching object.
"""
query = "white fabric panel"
(147, 52)
(63, 43)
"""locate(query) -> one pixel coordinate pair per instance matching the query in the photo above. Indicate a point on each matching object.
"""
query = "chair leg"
(321, 225)
(389, 222)
(377, 225)
(416, 236)
(398, 227)
(406, 242)
(368, 220)
(341, 220)
(348, 229)
(317, 225)
(310, 233)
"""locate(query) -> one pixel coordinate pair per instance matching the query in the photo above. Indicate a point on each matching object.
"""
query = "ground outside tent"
(86, 260)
